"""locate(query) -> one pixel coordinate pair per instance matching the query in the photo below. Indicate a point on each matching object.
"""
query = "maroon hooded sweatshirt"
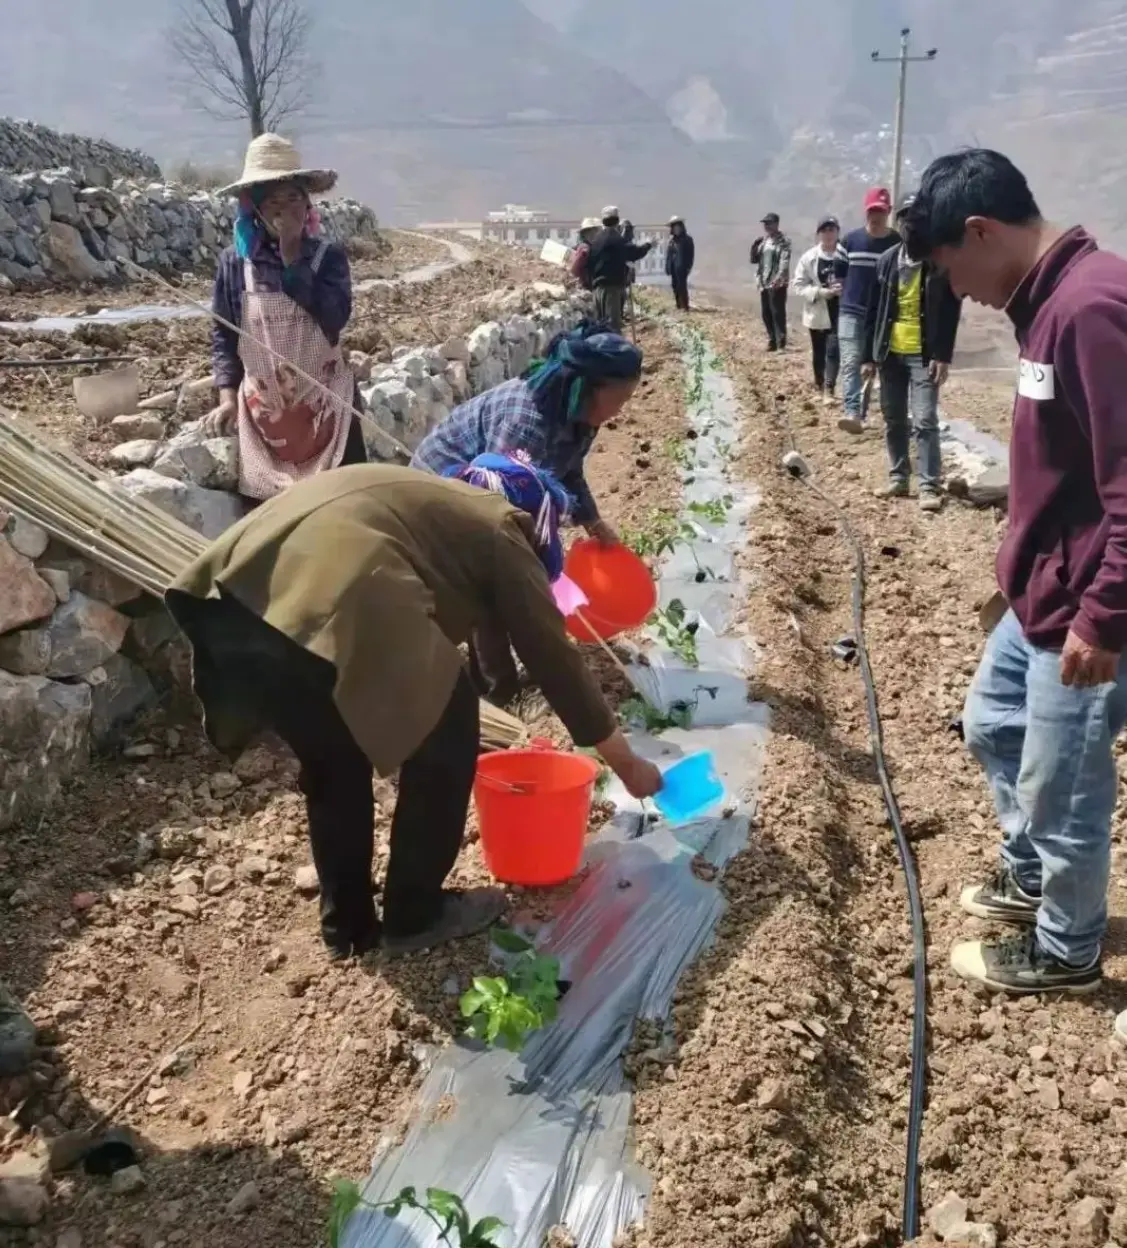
(1063, 564)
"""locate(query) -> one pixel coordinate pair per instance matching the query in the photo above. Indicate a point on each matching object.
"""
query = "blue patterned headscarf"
(532, 490)
(574, 362)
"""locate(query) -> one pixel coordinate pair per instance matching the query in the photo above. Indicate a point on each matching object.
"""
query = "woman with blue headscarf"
(550, 415)
(291, 291)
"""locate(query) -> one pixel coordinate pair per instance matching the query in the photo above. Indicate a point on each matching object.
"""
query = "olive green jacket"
(384, 571)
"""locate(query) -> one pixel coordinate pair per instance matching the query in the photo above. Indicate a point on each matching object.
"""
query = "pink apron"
(288, 430)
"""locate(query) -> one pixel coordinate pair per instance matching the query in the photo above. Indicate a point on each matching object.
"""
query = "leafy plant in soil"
(444, 1209)
(505, 1009)
(715, 511)
(678, 634)
(681, 453)
(638, 711)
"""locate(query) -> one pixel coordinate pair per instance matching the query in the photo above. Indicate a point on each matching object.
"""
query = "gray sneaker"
(1000, 899)
(464, 913)
(851, 424)
(17, 1035)
(894, 489)
(931, 500)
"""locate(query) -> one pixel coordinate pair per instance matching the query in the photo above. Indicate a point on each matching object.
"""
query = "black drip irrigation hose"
(910, 1209)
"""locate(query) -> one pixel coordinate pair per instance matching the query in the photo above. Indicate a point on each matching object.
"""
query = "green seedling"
(504, 1010)
(679, 452)
(637, 710)
(445, 1210)
(715, 511)
(677, 634)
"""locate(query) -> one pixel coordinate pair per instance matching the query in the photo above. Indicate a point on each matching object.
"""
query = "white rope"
(203, 307)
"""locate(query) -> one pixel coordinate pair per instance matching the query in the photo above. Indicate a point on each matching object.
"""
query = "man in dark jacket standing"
(1050, 696)
(608, 264)
(770, 257)
(679, 256)
(910, 329)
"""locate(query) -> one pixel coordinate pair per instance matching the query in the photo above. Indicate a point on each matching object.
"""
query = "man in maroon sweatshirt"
(1050, 695)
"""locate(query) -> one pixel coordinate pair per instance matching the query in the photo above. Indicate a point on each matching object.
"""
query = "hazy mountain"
(435, 109)
(789, 92)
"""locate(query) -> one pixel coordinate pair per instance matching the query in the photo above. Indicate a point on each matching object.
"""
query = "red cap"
(878, 200)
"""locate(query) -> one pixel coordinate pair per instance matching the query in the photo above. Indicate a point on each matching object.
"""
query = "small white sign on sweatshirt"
(1035, 381)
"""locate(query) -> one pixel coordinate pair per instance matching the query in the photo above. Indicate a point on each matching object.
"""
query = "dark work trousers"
(610, 306)
(681, 290)
(292, 691)
(773, 303)
(826, 358)
(492, 667)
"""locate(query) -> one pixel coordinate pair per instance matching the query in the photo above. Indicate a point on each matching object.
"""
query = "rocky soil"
(781, 1121)
(160, 924)
(161, 927)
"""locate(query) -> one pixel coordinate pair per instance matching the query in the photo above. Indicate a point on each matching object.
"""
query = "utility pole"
(898, 139)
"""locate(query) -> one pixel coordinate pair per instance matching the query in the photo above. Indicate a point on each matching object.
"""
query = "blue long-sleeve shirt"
(864, 251)
(506, 419)
(325, 294)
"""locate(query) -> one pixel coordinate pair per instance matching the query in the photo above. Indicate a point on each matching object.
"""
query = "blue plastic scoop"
(690, 787)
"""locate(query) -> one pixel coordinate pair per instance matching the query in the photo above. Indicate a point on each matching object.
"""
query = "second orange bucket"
(533, 808)
(618, 585)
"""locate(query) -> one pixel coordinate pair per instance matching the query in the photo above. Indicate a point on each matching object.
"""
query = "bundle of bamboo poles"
(88, 510)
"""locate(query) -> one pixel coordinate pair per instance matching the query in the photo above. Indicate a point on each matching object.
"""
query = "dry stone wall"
(82, 651)
(57, 227)
(26, 147)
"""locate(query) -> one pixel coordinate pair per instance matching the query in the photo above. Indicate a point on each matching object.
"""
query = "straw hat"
(271, 158)
(590, 223)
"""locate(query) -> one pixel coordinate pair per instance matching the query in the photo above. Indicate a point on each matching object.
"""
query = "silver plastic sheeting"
(542, 1138)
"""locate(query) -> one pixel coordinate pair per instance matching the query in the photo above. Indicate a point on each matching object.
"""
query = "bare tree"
(245, 58)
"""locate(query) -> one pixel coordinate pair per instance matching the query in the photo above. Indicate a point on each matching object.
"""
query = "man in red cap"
(864, 248)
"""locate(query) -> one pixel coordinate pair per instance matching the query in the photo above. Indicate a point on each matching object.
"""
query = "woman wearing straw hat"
(289, 291)
(333, 615)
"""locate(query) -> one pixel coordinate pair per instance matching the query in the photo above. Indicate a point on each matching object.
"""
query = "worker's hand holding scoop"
(640, 777)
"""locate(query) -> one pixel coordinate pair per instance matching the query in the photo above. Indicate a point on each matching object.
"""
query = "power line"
(898, 141)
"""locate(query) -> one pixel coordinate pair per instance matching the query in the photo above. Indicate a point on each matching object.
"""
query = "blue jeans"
(851, 346)
(1047, 752)
(909, 402)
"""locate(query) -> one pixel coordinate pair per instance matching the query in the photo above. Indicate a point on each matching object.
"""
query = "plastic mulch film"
(542, 1138)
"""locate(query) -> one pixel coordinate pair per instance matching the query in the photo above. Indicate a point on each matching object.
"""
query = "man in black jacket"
(608, 264)
(679, 256)
(910, 330)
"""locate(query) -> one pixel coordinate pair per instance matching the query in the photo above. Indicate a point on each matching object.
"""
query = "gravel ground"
(782, 1121)
(779, 1119)
(163, 908)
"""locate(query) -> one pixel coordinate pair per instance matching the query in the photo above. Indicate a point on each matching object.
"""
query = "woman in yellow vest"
(910, 330)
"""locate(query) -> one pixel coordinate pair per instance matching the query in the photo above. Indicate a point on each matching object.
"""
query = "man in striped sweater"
(864, 248)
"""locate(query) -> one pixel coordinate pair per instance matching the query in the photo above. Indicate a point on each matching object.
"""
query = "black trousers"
(681, 290)
(826, 357)
(773, 303)
(292, 692)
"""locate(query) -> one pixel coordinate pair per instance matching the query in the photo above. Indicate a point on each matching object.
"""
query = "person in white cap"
(608, 263)
(680, 253)
(291, 291)
(588, 228)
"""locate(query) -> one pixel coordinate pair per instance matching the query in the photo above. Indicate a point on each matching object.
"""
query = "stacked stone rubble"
(82, 652)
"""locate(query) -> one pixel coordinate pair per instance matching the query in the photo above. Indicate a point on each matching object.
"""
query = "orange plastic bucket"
(620, 590)
(534, 837)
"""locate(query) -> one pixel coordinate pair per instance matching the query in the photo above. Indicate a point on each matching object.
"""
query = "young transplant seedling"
(637, 710)
(444, 1209)
(504, 1009)
(677, 634)
(715, 511)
